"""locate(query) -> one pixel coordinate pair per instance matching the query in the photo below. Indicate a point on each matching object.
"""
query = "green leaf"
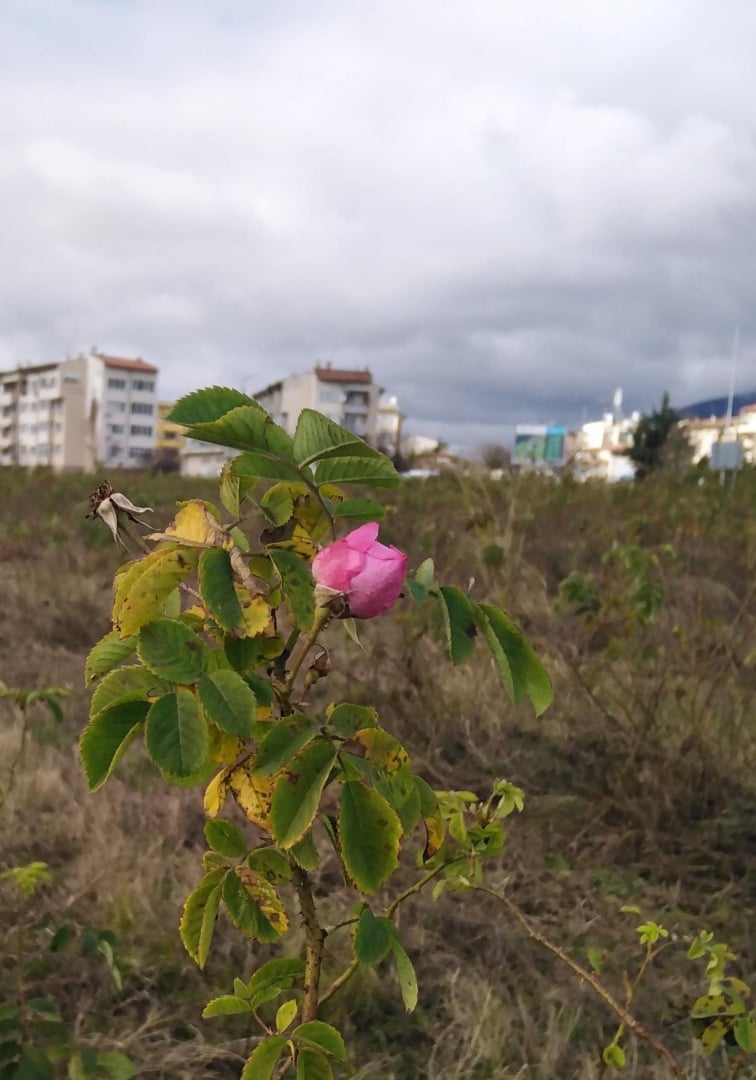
(254, 905)
(247, 427)
(296, 796)
(116, 1064)
(613, 1056)
(132, 683)
(204, 406)
(425, 575)
(404, 969)
(224, 837)
(318, 437)
(459, 620)
(33, 1065)
(105, 739)
(297, 584)
(595, 958)
(369, 834)
(373, 472)
(527, 674)
(282, 742)
(270, 864)
(261, 467)
(359, 510)
(172, 651)
(745, 1034)
(225, 1005)
(217, 587)
(264, 1058)
(305, 853)
(323, 1037)
(229, 702)
(277, 504)
(107, 654)
(62, 938)
(372, 941)
(285, 1015)
(312, 1065)
(281, 973)
(176, 733)
(347, 719)
(198, 917)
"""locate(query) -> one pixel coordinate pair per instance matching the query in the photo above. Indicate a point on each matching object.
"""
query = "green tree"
(651, 436)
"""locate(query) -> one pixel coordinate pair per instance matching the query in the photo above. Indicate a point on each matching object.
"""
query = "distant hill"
(702, 410)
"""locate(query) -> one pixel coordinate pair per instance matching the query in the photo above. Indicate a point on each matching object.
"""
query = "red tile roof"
(340, 375)
(127, 365)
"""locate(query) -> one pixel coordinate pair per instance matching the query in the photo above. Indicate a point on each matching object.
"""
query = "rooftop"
(343, 375)
(127, 365)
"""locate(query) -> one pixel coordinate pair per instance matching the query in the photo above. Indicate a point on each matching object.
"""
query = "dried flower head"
(105, 505)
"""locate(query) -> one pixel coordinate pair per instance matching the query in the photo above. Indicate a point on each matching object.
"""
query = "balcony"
(357, 401)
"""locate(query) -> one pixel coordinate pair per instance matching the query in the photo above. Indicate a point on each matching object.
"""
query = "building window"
(144, 384)
(116, 407)
(141, 429)
(328, 394)
(116, 429)
(141, 407)
(116, 384)
(140, 455)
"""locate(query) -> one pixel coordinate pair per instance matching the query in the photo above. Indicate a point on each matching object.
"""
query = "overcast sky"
(504, 209)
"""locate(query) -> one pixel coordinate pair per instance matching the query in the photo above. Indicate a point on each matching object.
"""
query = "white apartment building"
(79, 412)
(44, 416)
(348, 397)
(600, 447)
(124, 404)
(389, 432)
(703, 435)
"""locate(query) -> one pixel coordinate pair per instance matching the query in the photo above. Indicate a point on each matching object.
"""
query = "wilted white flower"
(105, 505)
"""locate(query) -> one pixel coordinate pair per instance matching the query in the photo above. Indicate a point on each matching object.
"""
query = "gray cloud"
(504, 211)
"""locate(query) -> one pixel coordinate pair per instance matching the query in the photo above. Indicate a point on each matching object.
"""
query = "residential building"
(169, 441)
(203, 458)
(125, 405)
(704, 435)
(348, 397)
(45, 416)
(79, 412)
(389, 426)
(601, 447)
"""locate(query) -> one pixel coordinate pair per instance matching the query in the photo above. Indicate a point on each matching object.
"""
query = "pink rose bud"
(368, 574)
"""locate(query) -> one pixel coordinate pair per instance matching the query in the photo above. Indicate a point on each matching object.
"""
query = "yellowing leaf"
(225, 748)
(196, 526)
(140, 593)
(382, 749)
(256, 614)
(254, 905)
(435, 832)
(215, 794)
(253, 794)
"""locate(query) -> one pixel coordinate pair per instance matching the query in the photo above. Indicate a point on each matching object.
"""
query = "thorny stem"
(314, 936)
(651, 953)
(391, 910)
(586, 976)
(320, 621)
(16, 758)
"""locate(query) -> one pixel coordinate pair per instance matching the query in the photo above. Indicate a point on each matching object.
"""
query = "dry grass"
(639, 781)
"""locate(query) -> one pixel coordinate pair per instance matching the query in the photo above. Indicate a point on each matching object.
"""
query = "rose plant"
(217, 639)
(366, 575)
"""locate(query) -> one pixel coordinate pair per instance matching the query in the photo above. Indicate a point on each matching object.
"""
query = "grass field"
(640, 780)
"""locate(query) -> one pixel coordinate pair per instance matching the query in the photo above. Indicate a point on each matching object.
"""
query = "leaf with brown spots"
(253, 794)
(254, 905)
